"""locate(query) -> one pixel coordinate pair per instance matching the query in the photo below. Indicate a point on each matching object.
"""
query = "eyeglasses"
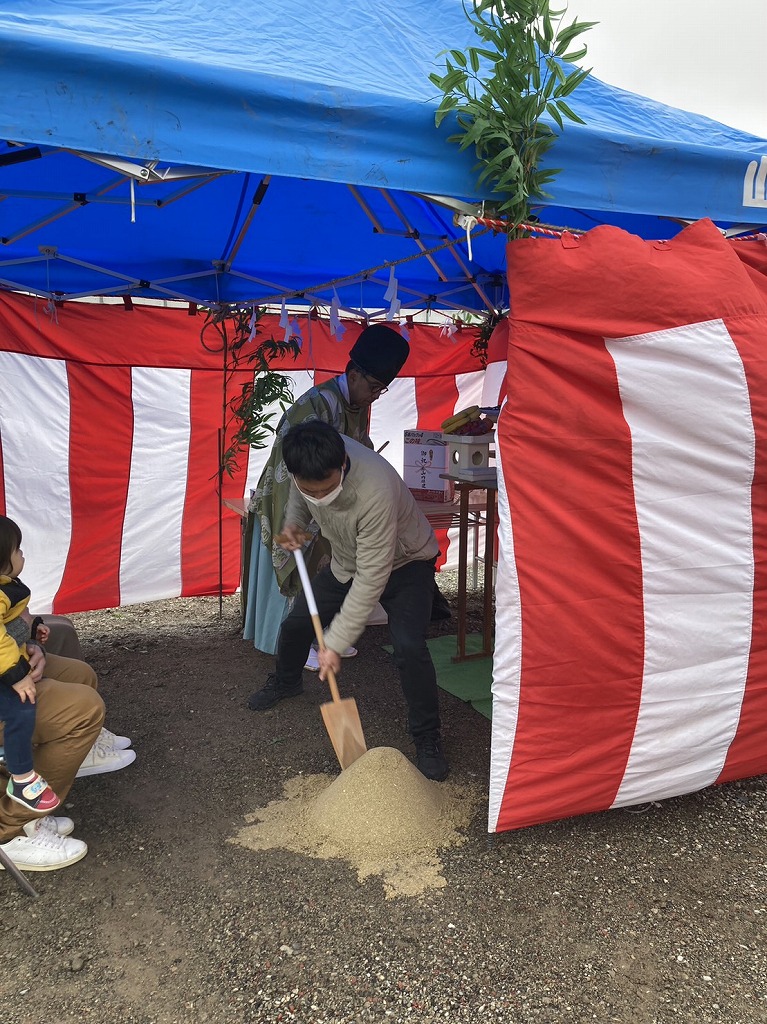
(376, 387)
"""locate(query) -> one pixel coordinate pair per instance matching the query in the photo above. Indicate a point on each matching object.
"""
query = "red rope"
(538, 229)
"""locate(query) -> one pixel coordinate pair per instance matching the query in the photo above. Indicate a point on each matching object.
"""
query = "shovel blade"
(342, 720)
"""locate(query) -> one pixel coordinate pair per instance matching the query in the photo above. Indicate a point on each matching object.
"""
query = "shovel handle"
(321, 641)
(21, 881)
(307, 585)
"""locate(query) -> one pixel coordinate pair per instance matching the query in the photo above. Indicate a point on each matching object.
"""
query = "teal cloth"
(266, 606)
(470, 681)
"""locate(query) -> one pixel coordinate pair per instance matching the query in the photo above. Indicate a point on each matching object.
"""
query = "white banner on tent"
(40, 395)
(155, 506)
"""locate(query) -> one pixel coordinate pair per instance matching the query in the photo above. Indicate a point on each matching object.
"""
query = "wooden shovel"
(342, 720)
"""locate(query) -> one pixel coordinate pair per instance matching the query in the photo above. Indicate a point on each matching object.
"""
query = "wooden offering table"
(466, 489)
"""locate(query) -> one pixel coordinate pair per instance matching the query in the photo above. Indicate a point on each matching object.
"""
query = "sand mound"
(382, 802)
(380, 814)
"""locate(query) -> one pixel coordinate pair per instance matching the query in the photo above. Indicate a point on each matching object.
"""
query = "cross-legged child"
(17, 685)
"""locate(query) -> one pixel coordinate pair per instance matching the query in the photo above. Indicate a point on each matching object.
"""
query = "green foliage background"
(246, 414)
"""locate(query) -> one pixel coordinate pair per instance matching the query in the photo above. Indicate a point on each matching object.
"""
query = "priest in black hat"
(270, 579)
(375, 359)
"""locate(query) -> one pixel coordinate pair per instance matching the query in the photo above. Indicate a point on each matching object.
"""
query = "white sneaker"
(313, 661)
(378, 616)
(59, 826)
(101, 759)
(109, 739)
(44, 850)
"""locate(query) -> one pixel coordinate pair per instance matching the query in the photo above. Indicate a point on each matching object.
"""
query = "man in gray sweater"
(383, 550)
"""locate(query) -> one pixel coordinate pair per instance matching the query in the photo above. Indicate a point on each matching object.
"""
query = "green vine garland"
(232, 328)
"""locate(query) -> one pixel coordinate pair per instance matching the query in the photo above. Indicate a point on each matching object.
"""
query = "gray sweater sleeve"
(376, 546)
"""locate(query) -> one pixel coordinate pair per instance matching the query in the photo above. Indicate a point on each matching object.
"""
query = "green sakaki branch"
(508, 96)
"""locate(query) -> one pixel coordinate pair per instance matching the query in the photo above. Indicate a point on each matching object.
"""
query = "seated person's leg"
(110, 752)
(69, 718)
(69, 670)
(64, 732)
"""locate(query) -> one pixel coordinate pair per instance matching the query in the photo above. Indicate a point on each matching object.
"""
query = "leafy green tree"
(501, 89)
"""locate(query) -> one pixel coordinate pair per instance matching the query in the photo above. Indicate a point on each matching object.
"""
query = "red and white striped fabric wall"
(631, 648)
(109, 437)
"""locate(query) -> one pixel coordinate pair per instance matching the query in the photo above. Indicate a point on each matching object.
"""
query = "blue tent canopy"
(244, 152)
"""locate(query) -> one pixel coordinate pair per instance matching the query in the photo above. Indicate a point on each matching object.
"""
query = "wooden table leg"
(487, 631)
(463, 546)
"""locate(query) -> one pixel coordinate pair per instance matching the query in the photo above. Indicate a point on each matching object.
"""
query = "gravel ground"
(657, 916)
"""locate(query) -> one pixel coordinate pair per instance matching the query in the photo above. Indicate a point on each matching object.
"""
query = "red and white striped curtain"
(631, 647)
(109, 440)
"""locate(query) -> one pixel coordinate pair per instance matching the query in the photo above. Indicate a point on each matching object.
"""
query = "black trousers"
(407, 600)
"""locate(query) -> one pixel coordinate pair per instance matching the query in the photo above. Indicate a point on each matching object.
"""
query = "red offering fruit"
(475, 428)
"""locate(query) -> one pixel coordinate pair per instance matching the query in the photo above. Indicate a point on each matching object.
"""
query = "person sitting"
(69, 742)
(110, 752)
(17, 683)
(69, 716)
(57, 633)
(383, 549)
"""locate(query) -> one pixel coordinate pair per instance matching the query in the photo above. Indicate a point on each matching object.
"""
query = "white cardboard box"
(426, 456)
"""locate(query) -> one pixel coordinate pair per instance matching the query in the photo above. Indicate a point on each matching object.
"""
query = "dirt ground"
(655, 916)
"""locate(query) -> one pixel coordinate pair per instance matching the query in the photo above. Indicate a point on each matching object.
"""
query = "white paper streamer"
(337, 329)
(468, 223)
(390, 295)
(294, 331)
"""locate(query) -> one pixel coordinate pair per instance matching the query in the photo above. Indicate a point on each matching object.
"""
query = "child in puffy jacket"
(17, 685)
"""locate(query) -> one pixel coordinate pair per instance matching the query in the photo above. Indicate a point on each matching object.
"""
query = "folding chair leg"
(21, 880)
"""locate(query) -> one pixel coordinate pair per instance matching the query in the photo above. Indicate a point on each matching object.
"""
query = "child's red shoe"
(36, 795)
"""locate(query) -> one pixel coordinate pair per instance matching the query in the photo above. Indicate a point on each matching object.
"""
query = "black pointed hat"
(381, 352)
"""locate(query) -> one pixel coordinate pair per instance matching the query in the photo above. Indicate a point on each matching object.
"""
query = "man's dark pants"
(407, 600)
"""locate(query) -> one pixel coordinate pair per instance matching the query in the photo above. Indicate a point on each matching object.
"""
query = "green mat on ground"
(468, 680)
